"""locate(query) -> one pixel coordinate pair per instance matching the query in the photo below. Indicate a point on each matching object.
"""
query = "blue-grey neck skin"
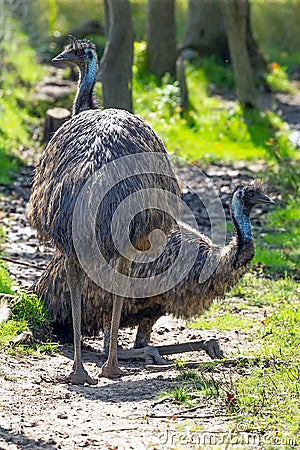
(84, 98)
(241, 219)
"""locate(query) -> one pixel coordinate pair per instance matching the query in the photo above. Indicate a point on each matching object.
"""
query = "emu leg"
(111, 368)
(144, 332)
(106, 334)
(74, 279)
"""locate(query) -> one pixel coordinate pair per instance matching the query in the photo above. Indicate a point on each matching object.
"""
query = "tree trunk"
(205, 33)
(258, 62)
(116, 63)
(161, 37)
(235, 18)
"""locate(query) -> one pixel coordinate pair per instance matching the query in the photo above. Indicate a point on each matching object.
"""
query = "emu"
(188, 298)
(85, 146)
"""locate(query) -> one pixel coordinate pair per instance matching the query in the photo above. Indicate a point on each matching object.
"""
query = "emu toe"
(80, 377)
(111, 371)
(213, 349)
(152, 356)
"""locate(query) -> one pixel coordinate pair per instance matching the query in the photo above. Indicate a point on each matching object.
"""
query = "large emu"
(80, 152)
(214, 270)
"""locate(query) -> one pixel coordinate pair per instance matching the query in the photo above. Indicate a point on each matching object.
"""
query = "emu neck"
(84, 98)
(241, 219)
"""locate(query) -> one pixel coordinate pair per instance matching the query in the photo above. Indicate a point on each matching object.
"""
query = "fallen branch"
(110, 430)
(184, 416)
(3, 295)
(22, 263)
(203, 364)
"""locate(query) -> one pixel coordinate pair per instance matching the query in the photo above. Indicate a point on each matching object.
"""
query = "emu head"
(248, 195)
(80, 52)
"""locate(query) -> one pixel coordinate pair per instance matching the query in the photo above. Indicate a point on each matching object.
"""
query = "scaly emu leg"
(74, 279)
(144, 332)
(111, 369)
(106, 323)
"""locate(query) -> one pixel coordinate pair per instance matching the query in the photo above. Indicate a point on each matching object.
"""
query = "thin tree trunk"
(235, 18)
(258, 62)
(116, 63)
(161, 37)
(205, 32)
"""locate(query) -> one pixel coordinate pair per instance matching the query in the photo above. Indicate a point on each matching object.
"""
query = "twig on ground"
(22, 263)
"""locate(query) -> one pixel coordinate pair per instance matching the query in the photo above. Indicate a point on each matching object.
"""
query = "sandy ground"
(38, 412)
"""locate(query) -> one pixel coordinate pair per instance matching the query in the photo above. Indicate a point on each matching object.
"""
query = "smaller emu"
(188, 298)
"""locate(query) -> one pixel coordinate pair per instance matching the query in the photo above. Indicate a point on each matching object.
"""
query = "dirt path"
(37, 412)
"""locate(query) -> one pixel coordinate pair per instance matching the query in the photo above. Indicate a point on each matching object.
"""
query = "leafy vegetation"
(27, 312)
(211, 129)
(6, 282)
(19, 74)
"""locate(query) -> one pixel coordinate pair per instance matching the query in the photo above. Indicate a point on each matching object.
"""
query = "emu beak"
(63, 56)
(263, 199)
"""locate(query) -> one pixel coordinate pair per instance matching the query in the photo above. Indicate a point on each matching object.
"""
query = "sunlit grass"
(278, 80)
(222, 320)
(211, 129)
(279, 248)
(6, 282)
(265, 395)
(26, 312)
(19, 74)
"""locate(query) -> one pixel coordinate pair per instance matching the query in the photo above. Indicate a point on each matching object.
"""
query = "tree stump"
(55, 117)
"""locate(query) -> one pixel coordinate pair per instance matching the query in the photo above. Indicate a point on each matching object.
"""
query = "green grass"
(264, 396)
(269, 395)
(279, 249)
(222, 320)
(31, 309)
(211, 129)
(27, 312)
(277, 79)
(6, 282)
(19, 74)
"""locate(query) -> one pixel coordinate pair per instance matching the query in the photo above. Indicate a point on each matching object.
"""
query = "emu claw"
(213, 349)
(80, 377)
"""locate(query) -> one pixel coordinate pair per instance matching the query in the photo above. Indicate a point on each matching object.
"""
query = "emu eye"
(250, 194)
(78, 52)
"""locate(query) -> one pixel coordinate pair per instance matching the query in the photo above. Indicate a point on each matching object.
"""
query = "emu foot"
(152, 356)
(213, 349)
(80, 377)
(111, 370)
